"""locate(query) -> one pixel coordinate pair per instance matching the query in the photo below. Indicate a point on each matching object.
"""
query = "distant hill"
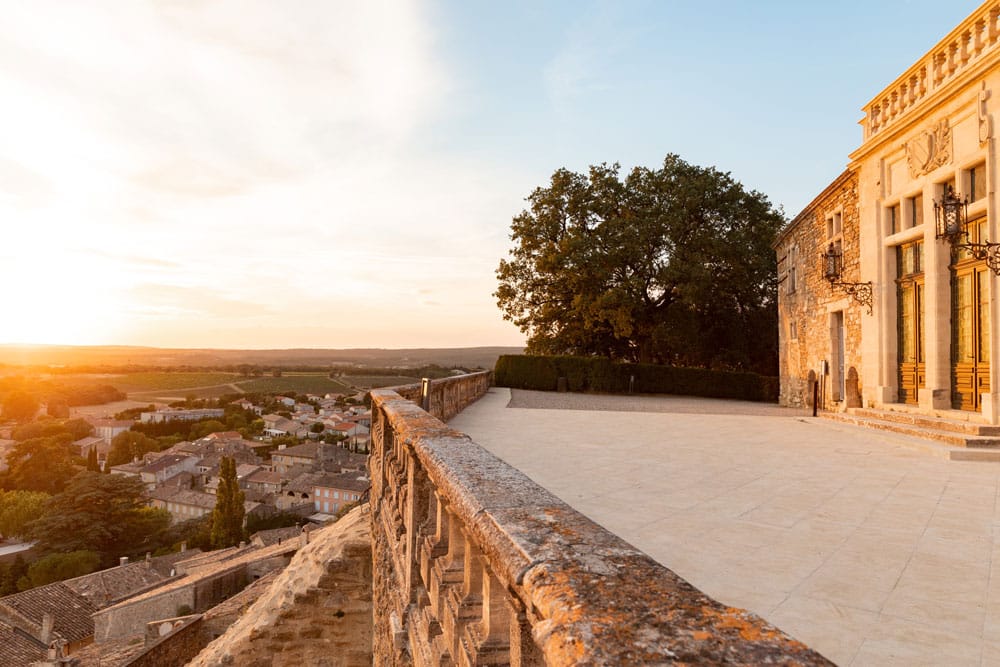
(119, 356)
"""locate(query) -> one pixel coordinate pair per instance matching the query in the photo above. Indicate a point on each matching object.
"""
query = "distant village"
(308, 462)
(314, 479)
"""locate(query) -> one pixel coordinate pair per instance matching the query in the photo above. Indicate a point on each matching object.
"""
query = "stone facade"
(927, 345)
(812, 312)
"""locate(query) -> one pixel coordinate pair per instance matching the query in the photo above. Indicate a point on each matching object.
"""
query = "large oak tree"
(669, 265)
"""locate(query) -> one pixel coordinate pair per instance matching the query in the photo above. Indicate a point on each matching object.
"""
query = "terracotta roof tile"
(18, 648)
(70, 611)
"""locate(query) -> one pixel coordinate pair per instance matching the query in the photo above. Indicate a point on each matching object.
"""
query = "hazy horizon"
(249, 175)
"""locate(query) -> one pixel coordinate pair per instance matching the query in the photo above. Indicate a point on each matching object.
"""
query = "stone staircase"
(951, 434)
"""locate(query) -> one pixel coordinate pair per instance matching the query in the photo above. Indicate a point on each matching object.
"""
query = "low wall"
(175, 649)
(449, 396)
(474, 563)
(130, 617)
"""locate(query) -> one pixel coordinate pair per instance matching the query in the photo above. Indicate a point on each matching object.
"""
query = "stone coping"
(591, 597)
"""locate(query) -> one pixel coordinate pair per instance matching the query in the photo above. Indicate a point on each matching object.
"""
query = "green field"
(173, 381)
(301, 383)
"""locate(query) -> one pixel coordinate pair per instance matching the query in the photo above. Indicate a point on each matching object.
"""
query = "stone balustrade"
(449, 396)
(476, 564)
(961, 50)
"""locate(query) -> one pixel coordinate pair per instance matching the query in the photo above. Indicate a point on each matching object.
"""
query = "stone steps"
(933, 435)
(962, 423)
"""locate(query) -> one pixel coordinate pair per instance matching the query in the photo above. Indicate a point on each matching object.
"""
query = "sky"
(332, 174)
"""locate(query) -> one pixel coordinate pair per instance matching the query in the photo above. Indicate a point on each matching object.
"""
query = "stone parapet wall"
(449, 396)
(474, 563)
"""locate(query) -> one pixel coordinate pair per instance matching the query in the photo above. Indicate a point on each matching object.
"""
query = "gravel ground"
(550, 400)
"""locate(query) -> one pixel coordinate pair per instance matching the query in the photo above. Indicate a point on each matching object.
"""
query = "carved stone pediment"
(929, 149)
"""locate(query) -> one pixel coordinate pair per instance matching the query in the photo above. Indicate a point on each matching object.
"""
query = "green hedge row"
(603, 375)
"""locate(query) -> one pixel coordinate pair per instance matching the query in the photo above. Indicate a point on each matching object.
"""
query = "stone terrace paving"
(852, 541)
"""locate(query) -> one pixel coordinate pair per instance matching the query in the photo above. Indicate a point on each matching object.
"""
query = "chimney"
(123, 561)
(46, 635)
(184, 546)
(149, 560)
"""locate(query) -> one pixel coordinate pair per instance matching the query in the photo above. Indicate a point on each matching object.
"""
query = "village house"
(165, 467)
(180, 414)
(108, 428)
(83, 446)
(276, 425)
(316, 455)
(244, 404)
(184, 504)
(264, 481)
(331, 491)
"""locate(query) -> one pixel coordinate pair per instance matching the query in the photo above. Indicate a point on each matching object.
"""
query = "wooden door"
(970, 327)
(910, 321)
(912, 373)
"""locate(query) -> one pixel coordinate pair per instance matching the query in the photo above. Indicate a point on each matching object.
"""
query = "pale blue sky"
(247, 173)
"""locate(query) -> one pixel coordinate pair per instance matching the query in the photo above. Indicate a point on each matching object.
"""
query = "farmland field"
(317, 383)
(144, 382)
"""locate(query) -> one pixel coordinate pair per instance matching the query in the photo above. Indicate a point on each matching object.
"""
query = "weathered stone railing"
(448, 396)
(476, 564)
(964, 46)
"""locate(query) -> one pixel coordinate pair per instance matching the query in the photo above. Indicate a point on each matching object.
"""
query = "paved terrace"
(850, 540)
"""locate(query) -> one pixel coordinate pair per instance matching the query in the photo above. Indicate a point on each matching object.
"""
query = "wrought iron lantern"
(951, 215)
(833, 264)
(833, 269)
(951, 220)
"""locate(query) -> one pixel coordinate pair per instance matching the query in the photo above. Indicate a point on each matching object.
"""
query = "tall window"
(977, 182)
(793, 260)
(895, 223)
(916, 210)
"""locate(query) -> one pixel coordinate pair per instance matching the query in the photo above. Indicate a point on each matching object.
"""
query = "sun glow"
(54, 297)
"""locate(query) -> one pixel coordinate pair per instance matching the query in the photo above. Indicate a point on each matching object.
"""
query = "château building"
(888, 280)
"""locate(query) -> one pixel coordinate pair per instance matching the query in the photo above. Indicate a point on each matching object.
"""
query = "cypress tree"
(227, 517)
(92, 463)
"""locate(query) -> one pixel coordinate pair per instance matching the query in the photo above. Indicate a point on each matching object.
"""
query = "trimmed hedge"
(598, 374)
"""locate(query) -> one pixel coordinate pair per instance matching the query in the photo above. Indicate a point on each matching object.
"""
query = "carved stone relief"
(929, 149)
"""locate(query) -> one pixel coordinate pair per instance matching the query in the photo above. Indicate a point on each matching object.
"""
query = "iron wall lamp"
(951, 222)
(833, 269)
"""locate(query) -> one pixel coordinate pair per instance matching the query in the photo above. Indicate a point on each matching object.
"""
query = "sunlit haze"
(259, 174)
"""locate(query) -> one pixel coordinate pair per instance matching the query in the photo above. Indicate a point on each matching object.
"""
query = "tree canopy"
(40, 464)
(128, 446)
(669, 265)
(106, 514)
(19, 406)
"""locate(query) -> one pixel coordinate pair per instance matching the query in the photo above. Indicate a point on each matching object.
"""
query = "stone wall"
(130, 618)
(449, 396)
(804, 314)
(476, 564)
(318, 611)
(174, 649)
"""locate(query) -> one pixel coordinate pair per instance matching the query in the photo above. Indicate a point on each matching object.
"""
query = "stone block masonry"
(808, 304)
(317, 612)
